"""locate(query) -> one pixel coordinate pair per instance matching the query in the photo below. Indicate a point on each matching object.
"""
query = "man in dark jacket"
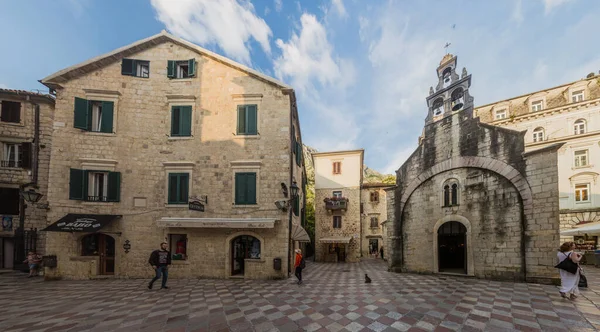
(160, 261)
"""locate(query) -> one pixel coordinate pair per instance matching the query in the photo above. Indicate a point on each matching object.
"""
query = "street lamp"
(31, 196)
(294, 189)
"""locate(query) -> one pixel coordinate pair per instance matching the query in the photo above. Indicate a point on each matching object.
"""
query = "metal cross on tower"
(446, 47)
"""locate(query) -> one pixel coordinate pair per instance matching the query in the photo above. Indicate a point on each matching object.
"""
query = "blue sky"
(361, 69)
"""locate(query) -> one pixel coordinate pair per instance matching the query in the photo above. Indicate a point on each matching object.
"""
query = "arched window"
(450, 193)
(438, 107)
(458, 99)
(579, 127)
(538, 134)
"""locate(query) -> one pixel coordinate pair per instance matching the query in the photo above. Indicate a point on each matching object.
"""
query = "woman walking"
(569, 281)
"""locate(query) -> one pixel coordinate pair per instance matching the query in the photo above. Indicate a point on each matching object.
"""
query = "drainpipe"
(290, 92)
(523, 235)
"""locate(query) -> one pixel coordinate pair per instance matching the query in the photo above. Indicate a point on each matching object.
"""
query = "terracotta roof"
(27, 93)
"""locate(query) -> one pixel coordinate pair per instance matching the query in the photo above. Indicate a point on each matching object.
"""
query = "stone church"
(470, 200)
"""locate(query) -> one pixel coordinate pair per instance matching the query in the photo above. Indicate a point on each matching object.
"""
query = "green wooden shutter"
(185, 121)
(77, 184)
(81, 114)
(241, 127)
(175, 121)
(251, 118)
(171, 69)
(114, 187)
(172, 191)
(128, 67)
(297, 206)
(107, 116)
(184, 185)
(25, 155)
(191, 67)
(250, 188)
(298, 153)
(240, 188)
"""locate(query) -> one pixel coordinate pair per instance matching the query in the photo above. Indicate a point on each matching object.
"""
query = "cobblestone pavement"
(333, 297)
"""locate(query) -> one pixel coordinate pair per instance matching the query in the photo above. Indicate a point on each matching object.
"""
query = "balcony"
(336, 203)
(96, 199)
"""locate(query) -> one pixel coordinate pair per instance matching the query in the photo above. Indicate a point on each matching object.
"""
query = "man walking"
(160, 261)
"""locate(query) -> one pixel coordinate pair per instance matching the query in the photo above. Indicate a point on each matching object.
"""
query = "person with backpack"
(160, 261)
(299, 264)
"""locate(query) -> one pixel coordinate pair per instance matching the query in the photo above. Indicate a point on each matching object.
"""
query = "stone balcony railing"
(336, 203)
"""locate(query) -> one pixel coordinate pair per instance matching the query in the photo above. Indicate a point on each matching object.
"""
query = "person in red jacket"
(299, 265)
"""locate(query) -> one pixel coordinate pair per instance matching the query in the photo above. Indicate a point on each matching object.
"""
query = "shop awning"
(217, 222)
(592, 228)
(88, 223)
(336, 239)
(299, 234)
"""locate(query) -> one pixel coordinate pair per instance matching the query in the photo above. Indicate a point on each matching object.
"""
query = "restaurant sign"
(81, 223)
(196, 204)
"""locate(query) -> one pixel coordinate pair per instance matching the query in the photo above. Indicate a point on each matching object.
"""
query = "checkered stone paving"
(333, 297)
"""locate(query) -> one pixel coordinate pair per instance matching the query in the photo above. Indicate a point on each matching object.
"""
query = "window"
(245, 247)
(337, 167)
(537, 105)
(10, 201)
(538, 134)
(582, 193)
(374, 222)
(581, 158)
(500, 114)
(446, 76)
(11, 111)
(577, 96)
(247, 120)
(337, 221)
(178, 246)
(137, 68)
(93, 115)
(337, 194)
(297, 205)
(179, 184)
(181, 121)
(579, 127)
(374, 196)
(11, 156)
(450, 193)
(181, 69)
(94, 186)
(438, 107)
(299, 155)
(245, 188)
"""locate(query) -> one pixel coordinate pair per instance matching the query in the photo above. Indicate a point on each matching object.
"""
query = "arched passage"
(446, 229)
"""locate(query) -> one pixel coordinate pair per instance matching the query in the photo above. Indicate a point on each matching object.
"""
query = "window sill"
(98, 203)
(246, 136)
(582, 167)
(583, 202)
(180, 138)
(16, 124)
(13, 168)
(254, 260)
(174, 206)
(246, 206)
(174, 79)
(97, 133)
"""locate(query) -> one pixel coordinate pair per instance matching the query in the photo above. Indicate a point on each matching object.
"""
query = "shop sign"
(197, 204)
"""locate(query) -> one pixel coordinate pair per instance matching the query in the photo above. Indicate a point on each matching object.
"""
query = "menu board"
(583, 243)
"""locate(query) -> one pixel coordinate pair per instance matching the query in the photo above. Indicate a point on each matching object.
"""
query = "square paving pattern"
(333, 297)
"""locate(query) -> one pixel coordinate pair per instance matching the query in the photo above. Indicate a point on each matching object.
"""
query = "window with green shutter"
(245, 188)
(298, 153)
(137, 68)
(178, 191)
(247, 120)
(94, 185)
(181, 69)
(181, 121)
(297, 205)
(92, 115)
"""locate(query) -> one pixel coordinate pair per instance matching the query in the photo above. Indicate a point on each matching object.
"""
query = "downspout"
(523, 236)
(290, 92)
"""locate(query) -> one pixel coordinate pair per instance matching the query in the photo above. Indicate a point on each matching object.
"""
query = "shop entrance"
(452, 247)
(243, 247)
(103, 246)
(373, 246)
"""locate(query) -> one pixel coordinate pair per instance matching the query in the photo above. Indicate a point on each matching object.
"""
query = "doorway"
(243, 247)
(103, 246)
(452, 245)
(7, 252)
(373, 246)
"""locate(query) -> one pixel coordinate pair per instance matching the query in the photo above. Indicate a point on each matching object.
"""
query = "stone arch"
(467, 224)
(230, 238)
(494, 165)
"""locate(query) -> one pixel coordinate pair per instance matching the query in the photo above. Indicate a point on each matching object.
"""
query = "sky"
(361, 69)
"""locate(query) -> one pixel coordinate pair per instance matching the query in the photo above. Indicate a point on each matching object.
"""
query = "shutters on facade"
(247, 120)
(191, 67)
(107, 117)
(84, 113)
(81, 113)
(245, 188)
(181, 121)
(298, 153)
(297, 205)
(171, 72)
(178, 190)
(128, 67)
(77, 184)
(26, 155)
(114, 187)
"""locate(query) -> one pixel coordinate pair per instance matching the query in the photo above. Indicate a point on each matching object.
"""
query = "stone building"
(162, 140)
(338, 181)
(470, 200)
(373, 216)
(569, 114)
(25, 144)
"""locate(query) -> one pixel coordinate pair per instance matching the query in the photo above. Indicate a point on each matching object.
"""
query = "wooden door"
(106, 246)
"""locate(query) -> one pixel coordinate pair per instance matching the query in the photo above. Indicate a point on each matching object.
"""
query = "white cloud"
(551, 4)
(3, 86)
(517, 14)
(202, 21)
(398, 158)
(339, 7)
(278, 5)
(267, 10)
(77, 7)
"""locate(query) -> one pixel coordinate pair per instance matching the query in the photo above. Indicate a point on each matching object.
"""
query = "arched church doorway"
(103, 246)
(452, 247)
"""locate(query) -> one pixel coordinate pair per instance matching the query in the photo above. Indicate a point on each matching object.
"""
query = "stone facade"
(144, 151)
(569, 114)
(373, 215)
(470, 200)
(28, 171)
(338, 242)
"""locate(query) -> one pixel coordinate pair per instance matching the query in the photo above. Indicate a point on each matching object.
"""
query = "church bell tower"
(451, 95)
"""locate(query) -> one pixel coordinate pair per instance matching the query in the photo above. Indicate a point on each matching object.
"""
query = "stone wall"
(372, 209)
(141, 144)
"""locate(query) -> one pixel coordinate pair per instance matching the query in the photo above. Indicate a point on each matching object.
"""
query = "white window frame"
(180, 71)
(104, 95)
(500, 114)
(581, 158)
(10, 149)
(94, 188)
(539, 134)
(584, 187)
(577, 96)
(579, 127)
(537, 105)
(96, 116)
(334, 223)
(337, 193)
(142, 69)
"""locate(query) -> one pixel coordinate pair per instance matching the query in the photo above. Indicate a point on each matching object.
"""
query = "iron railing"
(10, 163)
